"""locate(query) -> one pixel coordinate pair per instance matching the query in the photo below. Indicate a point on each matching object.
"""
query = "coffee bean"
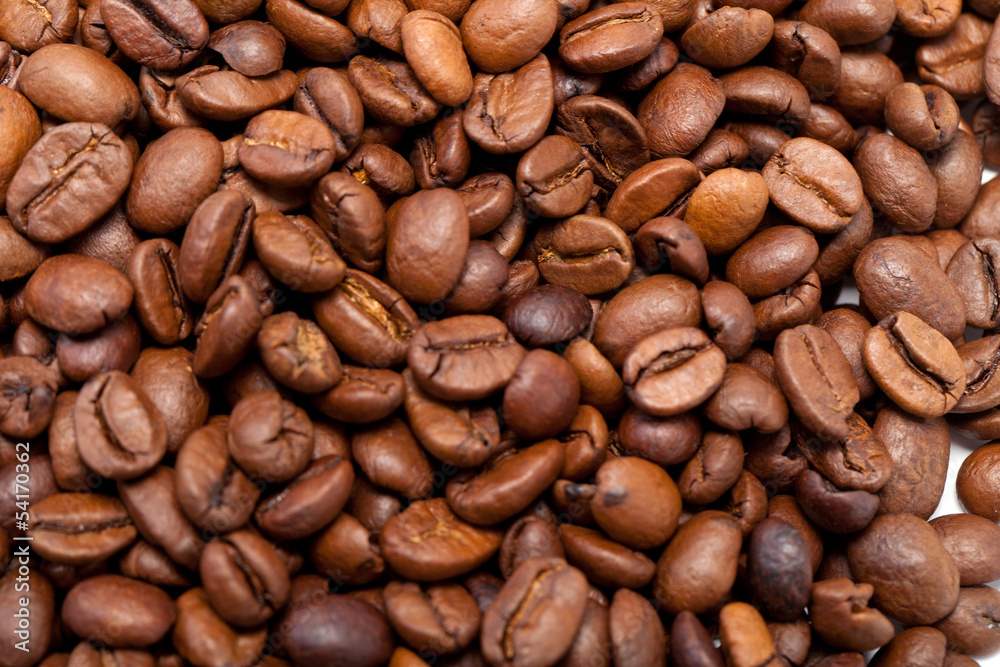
(586, 253)
(78, 528)
(118, 611)
(74, 294)
(246, 581)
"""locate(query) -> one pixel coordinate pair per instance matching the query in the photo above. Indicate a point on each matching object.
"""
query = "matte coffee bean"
(361, 635)
(831, 508)
(967, 538)
(905, 193)
(843, 619)
(660, 188)
(628, 490)
(160, 304)
(918, 474)
(390, 91)
(976, 481)
(245, 579)
(442, 618)
(252, 48)
(286, 148)
(227, 329)
(200, 635)
(167, 378)
(295, 250)
(502, 36)
(718, 229)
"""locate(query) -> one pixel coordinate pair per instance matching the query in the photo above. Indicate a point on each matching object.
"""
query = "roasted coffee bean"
(585, 253)
(673, 371)
(927, 294)
(390, 91)
(771, 260)
(201, 636)
(611, 38)
(498, 116)
(46, 197)
(549, 592)
(972, 627)
(697, 569)
(160, 35)
(628, 488)
(713, 470)
(547, 315)
(360, 636)
(842, 618)
(679, 111)
(79, 529)
(718, 229)
(814, 185)
(906, 192)
(442, 618)
(747, 399)
(286, 148)
(967, 538)
(661, 187)
(270, 438)
(168, 380)
(160, 305)
(119, 431)
(832, 509)
(57, 75)
(501, 36)
(976, 479)
(115, 347)
(778, 569)
(467, 357)
(245, 579)
(227, 329)
(227, 95)
(816, 379)
(427, 542)
(930, 574)
(76, 295)
(118, 611)
(914, 365)
(152, 503)
(252, 48)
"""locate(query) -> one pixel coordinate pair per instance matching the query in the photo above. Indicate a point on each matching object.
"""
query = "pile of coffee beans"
(501, 333)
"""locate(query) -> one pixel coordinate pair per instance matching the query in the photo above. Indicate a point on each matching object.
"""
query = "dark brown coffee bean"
(507, 485)
(925, 117)
(499, 117)
(270, 438)
(45, 198)
(154, 33)
(728, 37)
(20, 257)
(549, 592)
(972, 627)
(808, 53)
(245, 580)
(542, 397)
(427, 246)
(697, 569)
(227, 329)
(118, 611)
(955, 61)
(673, 371)
(765, 91)
(977, 479)
(691, 644)
(747, 399)
(328, 96)
(115, 347)
(56, 75)
(660, 188)
(865, 22)
(637, 635)
(928, 294)
(918, 473)
(613, 141)
(680, 110)
(553, 177)
(366, 319)
(214, 494)
(610, 38)
(295, 250)
(917, 646)
(345, 550)
(78, 528)
(160, 305)
(390, 91)
(467, 357)
(814, 185)
(298, 354)
(119, 431)
(311, 30)
(360, 635)
(442, 618)
(286, 148)
(585, 253)
(547, 315)
(604, 561)
(970, 539)
(930, 575)
(227, 95)
(713, 470)
(168, 380)
(831, 508)
(76, 295)
(252, 48)
(427, 542)
(502, 36)
(201, 636)
(914, 365)
(778, 569)
(841, 616)
(816, 379)
(363, 395)
(906, 192)
(772, 260)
